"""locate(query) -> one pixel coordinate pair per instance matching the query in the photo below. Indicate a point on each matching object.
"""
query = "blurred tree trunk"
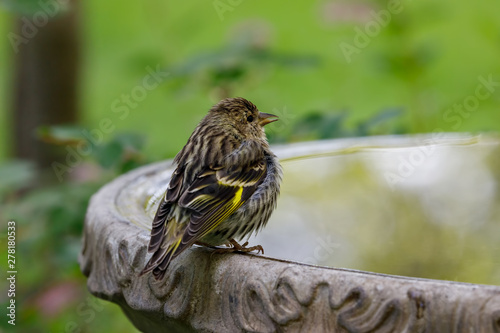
(46, 81)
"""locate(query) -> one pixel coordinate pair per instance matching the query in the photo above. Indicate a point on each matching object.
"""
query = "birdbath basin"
(372, 234)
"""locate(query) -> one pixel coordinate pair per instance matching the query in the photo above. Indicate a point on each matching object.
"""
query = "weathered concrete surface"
(250, 293)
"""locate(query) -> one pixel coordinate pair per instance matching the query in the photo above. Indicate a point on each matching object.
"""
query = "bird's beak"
(266, 118)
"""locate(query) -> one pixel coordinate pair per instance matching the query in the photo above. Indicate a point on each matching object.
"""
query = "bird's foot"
(234, 246)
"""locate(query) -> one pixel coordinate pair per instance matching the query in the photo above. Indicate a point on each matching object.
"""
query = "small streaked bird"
(225, 186)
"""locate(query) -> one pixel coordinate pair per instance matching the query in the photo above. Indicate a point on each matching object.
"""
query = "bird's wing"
(172, 194)
(215, 195)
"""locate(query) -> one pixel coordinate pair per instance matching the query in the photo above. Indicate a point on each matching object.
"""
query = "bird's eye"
(250, 119)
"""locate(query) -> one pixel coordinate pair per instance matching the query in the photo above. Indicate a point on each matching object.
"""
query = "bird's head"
(243, 116)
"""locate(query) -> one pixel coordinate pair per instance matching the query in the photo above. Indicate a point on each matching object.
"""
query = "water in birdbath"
(425, 206)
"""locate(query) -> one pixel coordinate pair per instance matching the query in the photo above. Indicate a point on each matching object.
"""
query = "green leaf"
(109, 154)
(333, 126)
(317, 125)
(365, 127)
(133, 141)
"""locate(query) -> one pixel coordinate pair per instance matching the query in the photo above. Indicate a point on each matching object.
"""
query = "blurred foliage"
(49, 223)
(15, 175)
(122, 152)
(242, 59)
(425, 59)
(318, 125)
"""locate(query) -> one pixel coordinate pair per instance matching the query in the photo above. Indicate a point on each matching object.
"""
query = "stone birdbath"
(413, 221)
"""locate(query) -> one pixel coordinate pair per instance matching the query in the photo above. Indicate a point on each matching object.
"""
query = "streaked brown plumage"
(225, 185)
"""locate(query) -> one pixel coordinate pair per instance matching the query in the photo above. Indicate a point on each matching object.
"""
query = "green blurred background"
(327, 68)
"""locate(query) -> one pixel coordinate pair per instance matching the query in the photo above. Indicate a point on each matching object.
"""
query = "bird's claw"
(234, 246)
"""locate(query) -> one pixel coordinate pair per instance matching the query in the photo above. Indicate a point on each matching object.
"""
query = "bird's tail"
(165, 239)
(160, 260)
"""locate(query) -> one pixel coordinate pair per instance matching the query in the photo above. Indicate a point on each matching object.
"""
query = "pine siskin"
(225, 185)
